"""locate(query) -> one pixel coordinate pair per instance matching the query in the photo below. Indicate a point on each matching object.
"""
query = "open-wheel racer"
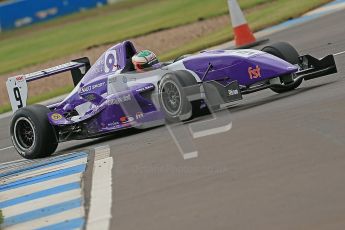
(113, 94)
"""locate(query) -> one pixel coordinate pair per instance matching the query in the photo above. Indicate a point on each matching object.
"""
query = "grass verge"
(274, 13)
(1, 218)
(68, 35)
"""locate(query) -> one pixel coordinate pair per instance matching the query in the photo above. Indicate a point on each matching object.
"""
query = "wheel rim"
(24, 133)
(171, 97)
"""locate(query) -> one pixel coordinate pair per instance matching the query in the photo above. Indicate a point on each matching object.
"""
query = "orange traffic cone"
(243, 35)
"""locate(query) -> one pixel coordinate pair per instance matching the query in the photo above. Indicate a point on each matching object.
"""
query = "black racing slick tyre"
(287, 52)
(173, 98)
(31, 133)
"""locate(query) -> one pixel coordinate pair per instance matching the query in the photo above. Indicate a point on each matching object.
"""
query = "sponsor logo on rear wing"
(17, 87)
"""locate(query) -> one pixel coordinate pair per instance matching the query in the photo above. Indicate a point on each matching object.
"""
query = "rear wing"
(17, 87)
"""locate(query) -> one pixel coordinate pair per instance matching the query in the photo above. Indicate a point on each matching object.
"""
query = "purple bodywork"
(234, 64)
(95, 109)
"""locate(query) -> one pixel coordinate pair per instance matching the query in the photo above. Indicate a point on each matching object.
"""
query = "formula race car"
(111, 95)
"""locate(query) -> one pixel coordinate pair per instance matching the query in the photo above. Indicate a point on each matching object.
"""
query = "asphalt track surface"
(281, 166)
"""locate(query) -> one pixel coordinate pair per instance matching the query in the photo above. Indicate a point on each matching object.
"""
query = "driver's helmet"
(144, 59)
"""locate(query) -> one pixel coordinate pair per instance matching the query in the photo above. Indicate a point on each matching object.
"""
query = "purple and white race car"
(111, 95)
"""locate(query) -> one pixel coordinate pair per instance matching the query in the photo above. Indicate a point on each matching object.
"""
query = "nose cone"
(274, 64)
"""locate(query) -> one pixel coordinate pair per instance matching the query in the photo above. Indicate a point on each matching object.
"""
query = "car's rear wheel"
(287, 52)
(173, 99)
(31, 133)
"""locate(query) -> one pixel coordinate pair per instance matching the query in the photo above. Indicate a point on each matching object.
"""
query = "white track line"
(101, 190)
(41, 203)
(340, 53)
(9, 147)
(49, 220)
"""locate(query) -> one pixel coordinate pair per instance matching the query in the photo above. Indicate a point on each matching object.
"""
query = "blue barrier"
(18, 13)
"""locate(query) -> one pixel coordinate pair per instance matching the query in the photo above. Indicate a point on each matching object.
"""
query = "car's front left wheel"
(31, 132)
(288, 53)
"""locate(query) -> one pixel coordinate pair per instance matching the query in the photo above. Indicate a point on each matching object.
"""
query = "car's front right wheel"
(173, 99)
(31, 132)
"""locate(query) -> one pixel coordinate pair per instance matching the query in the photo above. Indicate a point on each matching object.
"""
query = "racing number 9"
(18, 97)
